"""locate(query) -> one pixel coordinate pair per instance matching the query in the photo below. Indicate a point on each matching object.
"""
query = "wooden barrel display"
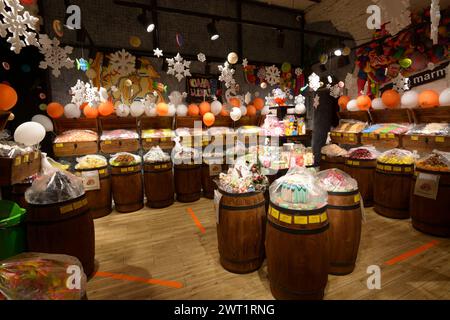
(241, 231)
(428, 215)
(211, 168)
(127, 188)
(327, 162)
(363, 171)
(188, 182)
(159, 188)
(390, 198)
(297, 249)
(63, 228)
(100, 201)
(345, 216)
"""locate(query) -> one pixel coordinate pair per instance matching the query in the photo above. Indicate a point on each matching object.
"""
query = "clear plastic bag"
(299, 189)
(91, 162)
(38, 276)
(351, 126)
(182, 154)
(156, 155)
(436, 161)
(438, 129)
(242, 178)
(123, 159)
(363, 153)
(335, 180)
(397, 156)
(120, 134)
(11, 149)
(77, 136)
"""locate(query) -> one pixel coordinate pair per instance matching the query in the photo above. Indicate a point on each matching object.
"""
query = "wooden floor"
(167, 245)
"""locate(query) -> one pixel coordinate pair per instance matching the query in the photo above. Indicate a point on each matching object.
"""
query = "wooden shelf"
(357, 115)
(63, 125)
(391, 116)
(440, 114)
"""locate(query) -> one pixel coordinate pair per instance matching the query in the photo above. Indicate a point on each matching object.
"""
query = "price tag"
(408, 169)
(358, 198)
(59, 145)
(108, 142)
(131, 169)
(373, 136)
(148, 140)
(391, 136)
(397, 169)
(285, 218)
(332, 134)
(440, 139)
(414, 138)
(365, 135)
(388, 168)
(157, 167)
(380, 167)
(324, 158)
(26, 158)
(165, 166)
(275, 213)
(382, 136)
(18, 161)
(301, 220)
(356, 163)
(314, 219)
(66, 209)
(351, 138)
(123, 170)
(350, 162)
(36, 155)
(323, 217)
(103, 171)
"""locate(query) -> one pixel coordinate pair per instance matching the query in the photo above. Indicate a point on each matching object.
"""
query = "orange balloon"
(364, 103)
(209, 119)
(55, 110)
(90, 113)
(205, 107)
(83, 106)
(343, 101)
(251, 110)
(106, 108)
(8, 97)
(259, 103)
(162, 109)
(235, 102)
(224, 112)
(193, 110)
(429, 99)
(391, 99)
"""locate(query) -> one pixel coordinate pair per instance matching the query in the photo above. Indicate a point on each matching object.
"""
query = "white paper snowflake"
(351, 85)
(261, 74)
(178, 67)
(227, 75)
(201, 57)
(395, 13)
(122, 62)
(314, 81)
(316, 102)
(158, 52)
(19, 24)
(93, 97)
(335, 91)
(55, 57)
(401, 84)
(245, 63)
(273, 75)
(435, 15)
(288, 92)
(78, 93)
(298, 71)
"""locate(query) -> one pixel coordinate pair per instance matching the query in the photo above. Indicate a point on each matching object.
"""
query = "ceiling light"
(146, 21)
(338, 52)
(212, 31)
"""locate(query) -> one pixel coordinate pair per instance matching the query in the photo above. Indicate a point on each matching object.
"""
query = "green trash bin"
(13, 236)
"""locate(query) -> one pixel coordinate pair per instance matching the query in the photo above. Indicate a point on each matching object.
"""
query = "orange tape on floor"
(412, 253)
(116, 276)
(197, 222)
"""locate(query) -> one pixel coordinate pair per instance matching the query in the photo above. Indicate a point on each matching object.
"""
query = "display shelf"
(441, 114)
(382, 140)
(187, 122)
(391, 116)
(156, 123)
(119, 145)
(363, 116)
(426, 143)
(16, 170)
(247, 121)
(341, 138)
(81, 148)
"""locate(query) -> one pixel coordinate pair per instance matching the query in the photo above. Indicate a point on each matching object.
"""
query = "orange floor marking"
(412, 253)
(116, 276)
(197, 222)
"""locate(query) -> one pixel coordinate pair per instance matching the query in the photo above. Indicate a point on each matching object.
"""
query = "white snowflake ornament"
(273, 75)
(395, 13)
(178, 67)
(435, 15)
(227, 75)
(93, 96)
(201, 57)
(20, 25)
(335, 91)
(401, 84)
(78, 93)
(316, 102)
(314, 81)
(55, 57)
(158, 53)
(122, 62)
(245, 63)
(298, 71)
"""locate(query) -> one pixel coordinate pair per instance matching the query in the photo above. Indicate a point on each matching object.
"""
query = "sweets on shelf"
(156, 155)
(363, 153)
(120, 134)
(435, 129)
(350, 126)
(77, 136)
(436, 161)
(397, 156)
(157, 134)
(335, 180)
(91, 162)
(387, 128)
(11, 149)
(242, 178)
(124, 159)
(333, 150)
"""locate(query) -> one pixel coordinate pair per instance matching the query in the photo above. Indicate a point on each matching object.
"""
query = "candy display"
(299, 189)
(120, 134)
(390, 128)
(157, 134)
(437, 129)
(38, 276)
(333, 150)
(77, 136)
(91, 162)
(242, 178)
(11, 149)
(351, 126)
(156, 155)
(335, 180)
(436, 161)
(363, 153)
(124, 159)
(397, 156)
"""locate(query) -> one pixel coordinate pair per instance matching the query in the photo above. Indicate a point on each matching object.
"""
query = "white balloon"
(176, 98)
(29, 133)
(216, 107)
(300, 109)
(137, 109)
(150, 109)
(123, 110)
(444, 98)
(377, 104)
(172, 110)
(103, 94)
(72, 111)
(243, 110)
(410, 100)
(235, 114)
(265, 111)
(45, 121)
(352, 105)
(182, 110)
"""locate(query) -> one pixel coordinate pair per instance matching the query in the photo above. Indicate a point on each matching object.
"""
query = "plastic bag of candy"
(397, 156)
(436, 161)
(38, 276)
(363, 153)
(335, 180)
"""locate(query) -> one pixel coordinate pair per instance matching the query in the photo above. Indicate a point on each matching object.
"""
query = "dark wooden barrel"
(158, 180)
(63, 228)
(428, 215)
(127, 188)
(241, 231)
(18, 194)
(188, 182)
(327, 162)
(100, 201)
(211, 169)
(363, 171)
(297, 249)
(345, 216)
(391, 182)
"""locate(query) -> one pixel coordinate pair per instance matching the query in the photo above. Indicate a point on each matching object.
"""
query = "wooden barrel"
(188, 182)
(363, 171)
(345, 216)
(100, 201)
(18, 194)
(428, 215)
(241, 231)
(327, 162)
(127, 188)
(158, 180)
(297, 249)
(63, 228)
(391, 182)
(211, 169)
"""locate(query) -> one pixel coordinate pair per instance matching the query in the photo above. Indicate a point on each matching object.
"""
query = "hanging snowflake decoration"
(245, 63)
(335, 91)
(316, 102)
(158, 52)
(227, 75)
(201, 57)
(20, 25)
(273, 75)
(314, 81)
(288, 93)
(435, 15)
(93, 97)
(395, 13)
(401, 84)
(55, 57)
(78, 93)
(178, 67)
(122, 62)
(261, 74)
(298, 71)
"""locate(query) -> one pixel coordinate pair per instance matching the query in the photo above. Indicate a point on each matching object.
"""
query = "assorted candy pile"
(387, 128)
(351, 126)
(120, 134)
(335, 180)
(91, 162)
(437, 129)
(242, 178)
(77, 136)
(156, 155)
(397, 156)
(436, 161)
(363, 153)
(124, 159)
(10, 149)
(333, 150)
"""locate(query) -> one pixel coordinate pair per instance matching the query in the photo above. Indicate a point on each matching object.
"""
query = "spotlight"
(338, 52)
(146, 21)
(330, 79)
(280, 39)
(212, 31)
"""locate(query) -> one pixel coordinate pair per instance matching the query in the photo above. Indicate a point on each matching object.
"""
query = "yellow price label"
(350, 162)
(285, 218)
(351, 138)
(414, 138)
(440, 139)
(18, 161)
(108, 142)
(157, 167)
(301, 220)
(77, 205)
(36, 155)
(356, 163)
(323, 217)
(373, 136)
(380, 167)
(391, 136)
(275, 213)
(397, 169)
(103, 171)
(66, 209)
(26, 158)
(124, 170)
(388, 168)
(358, 198)
(383, 136)
(408, 169)
(148, 140)
(314, 219)
(59, 145)
(365, 135)
(164, 166)
(131, 169)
